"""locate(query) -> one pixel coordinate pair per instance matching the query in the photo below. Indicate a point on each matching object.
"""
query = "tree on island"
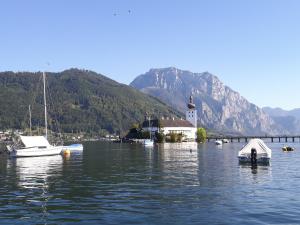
(201, 134)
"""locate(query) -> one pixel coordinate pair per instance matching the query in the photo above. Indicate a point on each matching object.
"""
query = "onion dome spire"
(191, 104)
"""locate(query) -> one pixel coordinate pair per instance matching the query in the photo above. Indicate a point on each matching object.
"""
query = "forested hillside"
(79, 100)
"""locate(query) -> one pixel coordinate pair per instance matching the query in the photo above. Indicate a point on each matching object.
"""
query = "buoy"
(67, 152)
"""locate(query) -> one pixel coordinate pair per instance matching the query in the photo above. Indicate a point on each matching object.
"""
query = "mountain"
(288, 119)
(278, 112)
(79, 100)
(219, 107)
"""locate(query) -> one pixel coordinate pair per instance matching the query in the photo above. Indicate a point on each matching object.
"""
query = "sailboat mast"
(30, 125)
(149, 127)
(45, 104)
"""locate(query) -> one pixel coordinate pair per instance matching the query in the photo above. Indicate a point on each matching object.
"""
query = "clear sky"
(253, 46)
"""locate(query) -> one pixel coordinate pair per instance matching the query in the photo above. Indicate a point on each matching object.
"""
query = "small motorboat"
(256, 151)
(218, 142)
(225, 141)
(287, 149)
(148, 142)
(74, 147)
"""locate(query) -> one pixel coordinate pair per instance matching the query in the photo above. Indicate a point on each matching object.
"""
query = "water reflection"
(179, 163)
(33, 172)
(258, 173)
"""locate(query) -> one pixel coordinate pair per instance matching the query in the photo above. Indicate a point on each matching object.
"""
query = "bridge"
(277, 139)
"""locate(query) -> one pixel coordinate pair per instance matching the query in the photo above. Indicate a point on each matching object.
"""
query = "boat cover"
(259, 145)
(34, 141)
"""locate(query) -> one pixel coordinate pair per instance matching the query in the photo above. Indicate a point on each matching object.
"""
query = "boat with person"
(256, 151)
(30, 146)
(287, 149)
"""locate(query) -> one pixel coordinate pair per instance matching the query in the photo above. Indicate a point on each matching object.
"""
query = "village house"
(187, 128)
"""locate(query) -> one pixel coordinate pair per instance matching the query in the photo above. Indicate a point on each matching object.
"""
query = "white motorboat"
(218, 142)
(29, 146)
(73, 147)
(225, 140)
(148, 142)
(256, 151)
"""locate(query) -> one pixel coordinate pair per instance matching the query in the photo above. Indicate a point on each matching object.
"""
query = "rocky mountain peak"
(219, 107)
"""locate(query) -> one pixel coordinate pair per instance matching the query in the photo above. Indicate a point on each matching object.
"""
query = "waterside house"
(168, 126)
(187, 128)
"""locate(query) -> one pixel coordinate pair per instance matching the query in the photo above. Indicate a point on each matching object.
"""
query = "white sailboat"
(148, 142)
(29, 146)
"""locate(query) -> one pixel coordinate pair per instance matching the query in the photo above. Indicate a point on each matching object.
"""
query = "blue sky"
(253, 46)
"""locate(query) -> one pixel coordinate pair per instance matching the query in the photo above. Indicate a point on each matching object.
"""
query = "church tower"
(191, 113)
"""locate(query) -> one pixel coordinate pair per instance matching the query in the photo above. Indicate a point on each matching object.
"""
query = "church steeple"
(191, 113)
(191, 104)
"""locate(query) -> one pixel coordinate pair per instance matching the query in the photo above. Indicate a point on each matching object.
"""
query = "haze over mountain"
(79, 100)
(288, 119)
(219, 107)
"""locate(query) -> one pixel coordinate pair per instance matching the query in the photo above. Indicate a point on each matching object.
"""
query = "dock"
(273, 139)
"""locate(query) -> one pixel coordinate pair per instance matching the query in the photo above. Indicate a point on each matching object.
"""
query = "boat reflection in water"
(34, 177)
(179, 162)
(256, 172)
(33, 172)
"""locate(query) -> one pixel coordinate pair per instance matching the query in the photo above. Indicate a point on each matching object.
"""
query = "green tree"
(145, 134)
(201, 134)
(160, 137)
(173, 137)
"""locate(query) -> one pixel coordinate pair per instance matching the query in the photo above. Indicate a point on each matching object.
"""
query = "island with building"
(169, 129)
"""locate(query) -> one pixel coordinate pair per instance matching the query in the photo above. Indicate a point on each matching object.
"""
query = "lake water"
(169, 184)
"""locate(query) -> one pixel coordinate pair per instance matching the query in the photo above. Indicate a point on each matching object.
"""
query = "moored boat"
(287, 149)
(30, 146)
(225, 140)
(218, 142)
(73, 147)
(148, 142)
(256, 151)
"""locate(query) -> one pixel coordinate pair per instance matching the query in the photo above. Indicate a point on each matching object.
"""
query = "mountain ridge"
(219, 107)
(84, 101)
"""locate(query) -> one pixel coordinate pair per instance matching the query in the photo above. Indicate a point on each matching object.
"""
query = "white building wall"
(189, 132)
(191, 116)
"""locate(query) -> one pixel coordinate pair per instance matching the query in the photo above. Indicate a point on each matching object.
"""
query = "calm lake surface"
(168, 184)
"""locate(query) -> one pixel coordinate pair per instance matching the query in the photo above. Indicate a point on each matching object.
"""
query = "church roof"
(168, 123)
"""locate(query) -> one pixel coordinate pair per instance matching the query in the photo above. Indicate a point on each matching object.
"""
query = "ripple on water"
(113, 184)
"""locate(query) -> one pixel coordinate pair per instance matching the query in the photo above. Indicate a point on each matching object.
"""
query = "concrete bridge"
(277, 138)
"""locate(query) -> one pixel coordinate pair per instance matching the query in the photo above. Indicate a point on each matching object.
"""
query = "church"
(187, 127)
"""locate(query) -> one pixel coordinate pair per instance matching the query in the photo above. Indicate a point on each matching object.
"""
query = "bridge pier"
(283, 138)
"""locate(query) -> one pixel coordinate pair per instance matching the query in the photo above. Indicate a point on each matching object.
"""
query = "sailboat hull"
(36, 151)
